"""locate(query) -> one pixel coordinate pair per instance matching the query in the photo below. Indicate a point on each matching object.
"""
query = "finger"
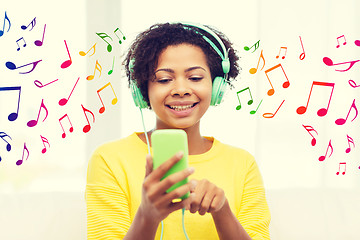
(205, 203)
(182, 204)
(159, 172)
(149, 165)
(169, 181)
(177, 193)
(217, 203)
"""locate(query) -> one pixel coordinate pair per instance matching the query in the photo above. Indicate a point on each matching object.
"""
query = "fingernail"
(180, 154)
(191, 169)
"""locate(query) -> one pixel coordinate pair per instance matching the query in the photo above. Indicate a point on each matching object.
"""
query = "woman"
(180, 70)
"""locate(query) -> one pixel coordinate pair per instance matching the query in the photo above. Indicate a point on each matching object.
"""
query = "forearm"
(228, 226)
(141, 228)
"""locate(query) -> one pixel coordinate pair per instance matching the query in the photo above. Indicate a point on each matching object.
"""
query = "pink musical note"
(322, 111)
(33, 123)
(38, 42)
(87, 127)
(302, 55)
(19, 162)
(8, 145)
(344, 43)
(341, 121)
(71, 129)
(124, 38)
(281, 48)
(342, 164)
(309, 129)
(113, 102)
(44, 140)
(103, 36)
(350, 140)
(17, 42)
(256, 45)
(329, 62)
(254, 70)
(353, 84)
(254, 111)
(2, 31)
(97, 67)
(322, 158)
(82, 53)
(357, 43)
(66, 63)
(40, 85)
(13, 116)
(249, 102)
(112, 69)
(63, 101)
(271, 115)
(32, 23)
(12, 66)
(286, 84)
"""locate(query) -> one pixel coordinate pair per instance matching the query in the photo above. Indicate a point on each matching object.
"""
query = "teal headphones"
(219, 83)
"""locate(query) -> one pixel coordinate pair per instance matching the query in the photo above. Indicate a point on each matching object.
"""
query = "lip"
(183, 113)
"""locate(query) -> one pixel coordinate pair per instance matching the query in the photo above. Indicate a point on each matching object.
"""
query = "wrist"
(222, 211)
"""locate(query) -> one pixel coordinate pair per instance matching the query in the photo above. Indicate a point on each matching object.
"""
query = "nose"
(181, 88)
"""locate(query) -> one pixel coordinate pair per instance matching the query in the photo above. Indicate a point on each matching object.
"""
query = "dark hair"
(148, 45)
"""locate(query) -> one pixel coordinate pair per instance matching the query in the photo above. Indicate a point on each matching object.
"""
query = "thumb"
(149, 165)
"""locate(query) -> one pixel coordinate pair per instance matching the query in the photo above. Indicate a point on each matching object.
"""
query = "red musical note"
(44, 140)
(283, 57)
(13, 116)
(40, 85)
(97, 67)
(12, 66)
(344, 164)
(322, 111)
(286, 84)
(112, 69)
(322, 158)
(353, 84)
(309, 129)
(124, 38)
(33, 123)
(254, 111)
(341, 121)
(38, 42)
(342, 36)
(256, 45)
(6, 18)
(103, 36)
(271, 115)
(71, 129)
(63, 101)
(357, 43)
(113, 102)
(32, 23)
(350, 140)
(17, 42)
(19, 162)
(66, 63)
(8, 145)
(87, 127)
(249, 102)
(254, 70)
(302, 55)
(329, 62)
(82, 53)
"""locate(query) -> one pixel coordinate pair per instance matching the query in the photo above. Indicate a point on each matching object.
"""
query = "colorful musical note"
(256, 45)
(68, 62)
(8, 145)
(87, 127)
(322, 158)
(13, 116)
(341, 121)
(281, 48)
(309, 129)
(2, 31)
(124, 38)
(113, 102)
(82, 53)
(32, 23)
(329, 62)
(12, 66)
(254, 70)
(353, 84)
(302, 55)
(249, 102)
(103, 36)
(17, 42)
(112, 69)
(254, 111)
(40, 85)
(44, 140)
(286, 84)
(97, 67)
(271, 115)
(19, 162)
(350, 140)
(63, 101)
(33, 123)
(38, 42)
(71, 129)
(322, 111)
(342, 164)
(344, 43)
(357, 43)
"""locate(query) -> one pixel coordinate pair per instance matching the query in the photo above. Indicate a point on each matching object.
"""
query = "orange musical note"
(44, 140)
(309, 129)
(17, 42)
(342, 36)
(286, 84)
(322, 111)
(97, 67)
(6, 18)
(283, 57)
(353, 84)
(66, 63)
(113, 102)
(350, 140)
(87, 127)
(103, 36)
(254, 70)
(112, 69)
(38, 42)
(63, 101)
(12, 66)
(8, 145)
(329, 62)
(32, 23)
(256, 45)
(13, 116)
(40, 85)
(71, 129)
(271, 115)
(33, 123)
(341, 121)
(82, 53)
(302, 55)
(249, 102)
(342, 164)
(254, 111)
(124, 38)
(19, 162)
(322, 158)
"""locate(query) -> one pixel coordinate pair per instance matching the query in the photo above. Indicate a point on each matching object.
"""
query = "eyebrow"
(186, 70)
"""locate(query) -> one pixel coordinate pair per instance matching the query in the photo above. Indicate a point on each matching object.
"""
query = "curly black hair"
(148, 45)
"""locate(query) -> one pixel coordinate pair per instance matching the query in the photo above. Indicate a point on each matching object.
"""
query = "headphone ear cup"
(219, 87)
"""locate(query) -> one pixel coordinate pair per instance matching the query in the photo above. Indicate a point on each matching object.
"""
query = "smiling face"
(180, 94)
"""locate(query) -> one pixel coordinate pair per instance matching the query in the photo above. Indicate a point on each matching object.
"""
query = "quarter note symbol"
(302, 55)
(71, 129)
(249, 102)
(322, 111)
(103, 36)
(12, 66)
(256, 45)
(322, 158)
(82, 53)
(271, 115)
(285, 49)
(63, 101)
(344, 43)
(8, 146)
(19, 162)
(33, 123)
(124, 38)
(97, 67)
(341, 121)
(329, 62)
(32, 23)
(13, 116)
(87, 127)
(44, 140)
(342, 164)
(350, 140)
(9, 23)
(68, 62)
(254, 70)
(17, 42)
(112, 69)
(286, 84)
(309, 129)
(353, 84)
(113, 102)
(38, 42)
(254, 111)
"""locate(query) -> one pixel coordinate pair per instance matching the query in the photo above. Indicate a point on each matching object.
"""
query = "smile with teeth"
(182, 107)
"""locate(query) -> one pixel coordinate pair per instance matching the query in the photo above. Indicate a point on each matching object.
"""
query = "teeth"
(181, 108)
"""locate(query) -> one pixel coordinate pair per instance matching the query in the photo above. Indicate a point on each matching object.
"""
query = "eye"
(163, 80)
(196, 79)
